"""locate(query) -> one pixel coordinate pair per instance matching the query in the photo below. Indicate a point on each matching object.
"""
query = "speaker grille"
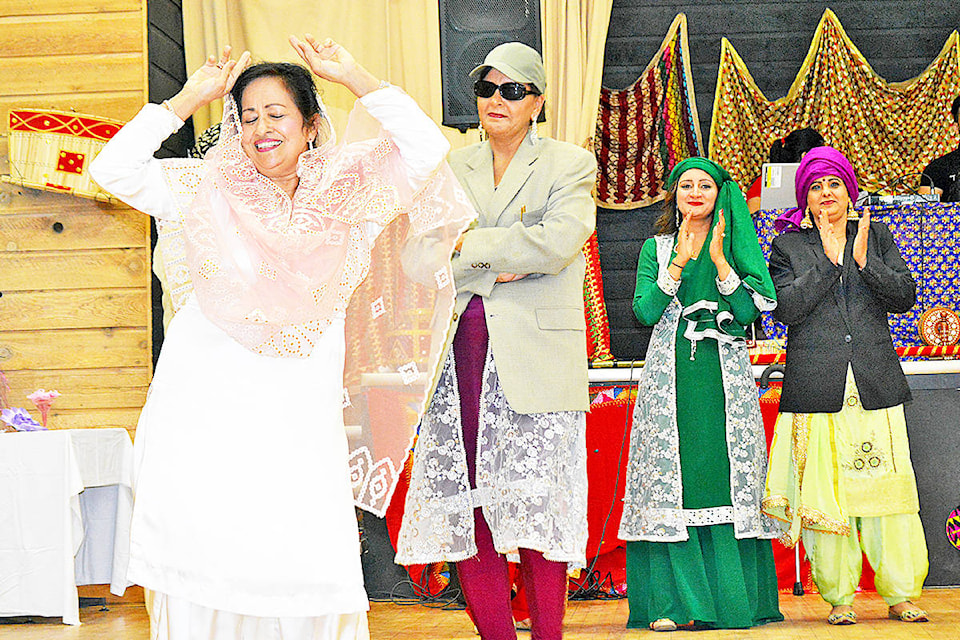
(482, 16)
(469, 29)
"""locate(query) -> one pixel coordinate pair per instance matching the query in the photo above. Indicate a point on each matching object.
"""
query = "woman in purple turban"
(840, 471)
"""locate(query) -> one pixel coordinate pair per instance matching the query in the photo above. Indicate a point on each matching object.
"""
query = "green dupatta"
(710, 316)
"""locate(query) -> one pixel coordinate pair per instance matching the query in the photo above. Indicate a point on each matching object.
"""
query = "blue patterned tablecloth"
(928, 236)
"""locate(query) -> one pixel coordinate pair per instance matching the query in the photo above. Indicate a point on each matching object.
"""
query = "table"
(66, 500)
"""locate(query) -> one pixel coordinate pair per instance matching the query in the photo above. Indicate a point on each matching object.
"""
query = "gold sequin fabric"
(888, 131)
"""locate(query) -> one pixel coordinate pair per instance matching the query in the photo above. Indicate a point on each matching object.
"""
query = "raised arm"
(422, 146)
(126, 166)
(655, 289)
(886, 273)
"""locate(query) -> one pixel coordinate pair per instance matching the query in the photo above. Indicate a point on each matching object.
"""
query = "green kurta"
(701, 417)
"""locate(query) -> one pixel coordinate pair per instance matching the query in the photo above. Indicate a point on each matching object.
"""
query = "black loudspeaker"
(935, 450)
(469, 29)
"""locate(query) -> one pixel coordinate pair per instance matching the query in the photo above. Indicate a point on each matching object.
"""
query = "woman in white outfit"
(244, 525)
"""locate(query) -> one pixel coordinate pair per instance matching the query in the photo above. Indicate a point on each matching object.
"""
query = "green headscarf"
(740, 246)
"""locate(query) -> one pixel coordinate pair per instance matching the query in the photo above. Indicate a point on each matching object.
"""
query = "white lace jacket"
(653, 500)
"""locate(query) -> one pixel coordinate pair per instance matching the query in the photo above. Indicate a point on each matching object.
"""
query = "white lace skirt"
(531, 479)
(176, 619)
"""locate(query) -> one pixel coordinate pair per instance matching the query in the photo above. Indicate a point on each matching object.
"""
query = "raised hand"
(860, 241)
(332, 62)
(210, 82)
(828, 237)
(716, 247)
(685, 243)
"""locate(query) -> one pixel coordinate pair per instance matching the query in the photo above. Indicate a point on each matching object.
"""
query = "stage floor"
(594, 620)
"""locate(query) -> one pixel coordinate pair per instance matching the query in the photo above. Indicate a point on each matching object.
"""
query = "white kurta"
(242, 499)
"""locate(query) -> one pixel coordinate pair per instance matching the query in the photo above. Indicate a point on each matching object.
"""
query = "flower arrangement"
(17, 418)
(43, 400)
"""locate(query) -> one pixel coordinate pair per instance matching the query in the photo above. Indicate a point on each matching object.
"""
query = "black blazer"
(833, 321)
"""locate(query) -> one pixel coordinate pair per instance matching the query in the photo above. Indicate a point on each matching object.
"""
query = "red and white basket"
(52, 150)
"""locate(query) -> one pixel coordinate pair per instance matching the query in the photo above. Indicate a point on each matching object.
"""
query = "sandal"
(910, 614)
(663, 624)
(842, 618)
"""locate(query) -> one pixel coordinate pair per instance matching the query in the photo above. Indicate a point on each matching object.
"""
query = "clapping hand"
(716, 247)
(828, 237)
(860, 242)
(210, 82)
(333, 62)
(685, 244)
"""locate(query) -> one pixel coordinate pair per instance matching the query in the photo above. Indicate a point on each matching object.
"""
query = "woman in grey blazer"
(840, 471)
(500, 466)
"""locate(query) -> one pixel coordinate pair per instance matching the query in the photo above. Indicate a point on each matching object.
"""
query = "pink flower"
(43, 399)
(4, 390)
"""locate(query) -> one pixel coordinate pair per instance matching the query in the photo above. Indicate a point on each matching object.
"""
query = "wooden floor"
(594, 620)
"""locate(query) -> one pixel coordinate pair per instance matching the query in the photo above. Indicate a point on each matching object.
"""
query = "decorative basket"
(52, 150)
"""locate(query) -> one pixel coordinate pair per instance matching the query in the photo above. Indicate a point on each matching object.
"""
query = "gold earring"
(851, 212)
(807, 221)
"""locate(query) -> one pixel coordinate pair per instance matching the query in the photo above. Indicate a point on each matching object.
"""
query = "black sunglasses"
(508, 90)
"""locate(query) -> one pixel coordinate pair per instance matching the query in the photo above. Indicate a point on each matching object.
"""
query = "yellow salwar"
(846, 482)
(894, 546)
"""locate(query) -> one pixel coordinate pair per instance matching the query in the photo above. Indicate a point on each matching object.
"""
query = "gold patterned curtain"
(888, 131)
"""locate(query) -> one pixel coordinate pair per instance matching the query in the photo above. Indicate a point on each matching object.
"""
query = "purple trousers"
(484, 577)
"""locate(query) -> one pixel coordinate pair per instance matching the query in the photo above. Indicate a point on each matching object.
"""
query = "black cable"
(900, 180)
(591, 588)
(447, 598)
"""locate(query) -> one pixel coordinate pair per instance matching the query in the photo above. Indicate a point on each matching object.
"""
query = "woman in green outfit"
(698, 550)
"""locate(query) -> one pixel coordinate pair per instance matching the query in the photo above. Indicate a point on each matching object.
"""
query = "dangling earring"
(310, 144)
(678, 217)
(851, 213)
(807, 221)
(533, 129)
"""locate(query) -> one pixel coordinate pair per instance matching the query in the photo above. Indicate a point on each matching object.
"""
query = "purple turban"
(818, 163)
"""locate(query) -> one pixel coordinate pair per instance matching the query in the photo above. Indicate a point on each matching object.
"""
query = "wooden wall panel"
(72, 74)
(75, 270)
(69, 309)
(87, 388)
(74, 349)
(43, 8)
(75, 310)
(70, 34)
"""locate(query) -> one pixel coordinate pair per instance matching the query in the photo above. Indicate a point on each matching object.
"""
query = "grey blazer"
(535, 222)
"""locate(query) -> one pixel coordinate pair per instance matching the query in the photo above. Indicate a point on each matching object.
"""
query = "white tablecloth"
(65, 505)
